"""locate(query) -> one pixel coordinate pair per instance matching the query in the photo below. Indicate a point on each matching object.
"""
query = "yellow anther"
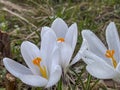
(42, 69)
(60, 39)
(37, 61)
(110, 54)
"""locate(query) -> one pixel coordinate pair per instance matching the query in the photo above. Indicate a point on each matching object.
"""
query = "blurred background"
(22, 20)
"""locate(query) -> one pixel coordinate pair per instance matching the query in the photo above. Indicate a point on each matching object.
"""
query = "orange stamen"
(37, 61)
(42, 69)
(110, 54)
(60, 39)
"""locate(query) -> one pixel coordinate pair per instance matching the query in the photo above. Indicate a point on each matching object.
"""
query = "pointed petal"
(34, 80)
(79, 54)
(113, 40)
(44, 30)
(29, 52)
(48, 44)
(15, 68)
(65, 54)
(71, 35)
(55, 75)
(101, 70)
(94, 44)
(60, 27)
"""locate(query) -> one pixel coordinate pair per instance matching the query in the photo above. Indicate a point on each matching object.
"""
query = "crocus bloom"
(66, 37)
(102, 62)
(43, 69)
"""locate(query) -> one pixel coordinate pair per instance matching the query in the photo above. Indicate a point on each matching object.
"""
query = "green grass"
(25, 23)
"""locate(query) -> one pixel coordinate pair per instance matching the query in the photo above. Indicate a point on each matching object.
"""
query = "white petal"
(79, 54)
(15, 68)
(118, 67)
(48, 44)
(117, 77)
(71, 35)
(60, 27)
(29, 52)
(94, 57)
(101, 70)
(65, 54)
(54, 59)
(55, 75)
(34, 80)
(94, 44)
(44, 30)
(87, 60)
(113, 40)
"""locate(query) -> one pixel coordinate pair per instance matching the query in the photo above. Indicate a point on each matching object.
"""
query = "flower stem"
(88, 82)
(64, 81)
(59, 85)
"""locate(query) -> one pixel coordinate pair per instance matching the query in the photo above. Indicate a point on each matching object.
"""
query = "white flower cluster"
(58, 43)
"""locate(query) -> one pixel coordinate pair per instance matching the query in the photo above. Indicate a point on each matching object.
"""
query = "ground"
(22, 20)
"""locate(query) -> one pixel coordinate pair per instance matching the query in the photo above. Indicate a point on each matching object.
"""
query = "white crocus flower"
(63, 32)
(43, 69)
(66, 37)
(101, 62)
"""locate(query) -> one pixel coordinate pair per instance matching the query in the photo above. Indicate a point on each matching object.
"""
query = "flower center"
(42, 69)
(110, 54)
(60, 39)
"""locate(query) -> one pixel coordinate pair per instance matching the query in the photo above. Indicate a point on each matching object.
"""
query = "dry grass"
(23, 21)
